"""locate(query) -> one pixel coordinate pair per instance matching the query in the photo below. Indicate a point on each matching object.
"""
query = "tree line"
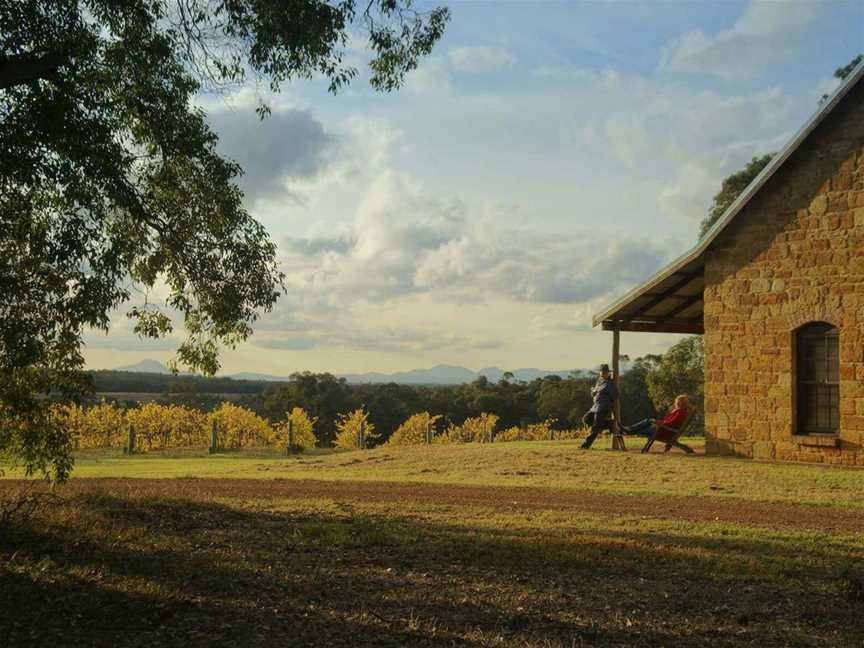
(647, 389)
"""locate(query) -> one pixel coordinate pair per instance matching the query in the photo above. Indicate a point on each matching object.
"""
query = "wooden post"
(524, 430)
(428, 432)
(289, 446)
(130, 444)
(361, 441)
(214, 436)
(617, 439)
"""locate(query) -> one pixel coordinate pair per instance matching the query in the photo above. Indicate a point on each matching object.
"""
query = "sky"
(546, 158)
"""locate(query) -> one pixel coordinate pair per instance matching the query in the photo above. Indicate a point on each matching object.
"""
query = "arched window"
(818, 379)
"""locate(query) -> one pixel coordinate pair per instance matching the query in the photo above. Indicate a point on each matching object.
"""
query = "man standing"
(599, 417)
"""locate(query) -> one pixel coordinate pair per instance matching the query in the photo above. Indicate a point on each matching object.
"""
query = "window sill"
(821, 440)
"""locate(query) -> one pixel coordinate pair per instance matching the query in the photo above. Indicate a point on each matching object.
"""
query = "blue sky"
(547, 157)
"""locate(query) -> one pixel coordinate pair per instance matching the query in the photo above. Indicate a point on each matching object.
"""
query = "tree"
(737, 182)
(565, 400)
(110, 183)
(843, 72)
(681, 370)
(323, 396)
(731, 188)
(636, 403)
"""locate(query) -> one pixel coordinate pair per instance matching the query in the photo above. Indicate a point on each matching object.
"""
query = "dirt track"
(698, 509)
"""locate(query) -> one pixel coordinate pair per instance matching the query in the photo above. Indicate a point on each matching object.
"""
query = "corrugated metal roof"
(667, 290)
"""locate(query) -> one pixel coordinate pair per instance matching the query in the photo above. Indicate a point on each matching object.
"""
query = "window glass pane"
(833, 360)
(818, 378)
(834, 420)
(816, 359)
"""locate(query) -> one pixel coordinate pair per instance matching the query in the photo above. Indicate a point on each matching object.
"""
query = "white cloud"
(435, 76)
(430, 79)
(479, 59)
(679, 144)
(404, 241)
(765, 33)
(826, 86)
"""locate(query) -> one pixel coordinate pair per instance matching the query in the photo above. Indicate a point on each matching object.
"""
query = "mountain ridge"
(440, 374)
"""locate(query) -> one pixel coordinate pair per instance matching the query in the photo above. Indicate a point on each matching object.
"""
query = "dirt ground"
(208, 562)
(695, 509)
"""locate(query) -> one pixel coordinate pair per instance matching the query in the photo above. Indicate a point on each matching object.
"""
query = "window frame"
(799, 335)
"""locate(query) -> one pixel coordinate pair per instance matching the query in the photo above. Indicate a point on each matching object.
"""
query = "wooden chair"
(670, 435)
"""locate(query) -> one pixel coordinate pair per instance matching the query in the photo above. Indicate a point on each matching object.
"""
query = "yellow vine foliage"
(533, 432)
(413, 431)
(477, 429)
(303, 431)
(240, 427)
(99, 426)
(160, 427)
(348, 429)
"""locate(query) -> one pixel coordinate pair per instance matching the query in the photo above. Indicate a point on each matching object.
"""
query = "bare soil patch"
(694, 509)
(261, 563)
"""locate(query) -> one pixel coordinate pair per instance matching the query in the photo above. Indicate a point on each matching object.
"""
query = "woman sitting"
(673, 420)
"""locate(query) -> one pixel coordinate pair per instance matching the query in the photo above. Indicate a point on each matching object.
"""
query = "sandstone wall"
(794, 255)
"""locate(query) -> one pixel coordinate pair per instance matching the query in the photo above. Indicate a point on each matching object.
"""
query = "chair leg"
(683, 447)
(650, 442)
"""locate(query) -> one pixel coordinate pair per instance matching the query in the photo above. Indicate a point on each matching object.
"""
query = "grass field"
(518, 544)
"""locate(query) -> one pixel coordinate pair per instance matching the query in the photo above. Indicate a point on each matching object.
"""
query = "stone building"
(777, 289)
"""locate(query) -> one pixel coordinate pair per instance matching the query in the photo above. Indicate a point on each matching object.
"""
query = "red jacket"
(673, 419)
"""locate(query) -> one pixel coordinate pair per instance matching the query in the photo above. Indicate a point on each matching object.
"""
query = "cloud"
(404, 241)
(382, 339)
(680, 143)
(430, 79)
(435, 76)
(122, 338)
(479, 59)
(287, 145)
(765, 33)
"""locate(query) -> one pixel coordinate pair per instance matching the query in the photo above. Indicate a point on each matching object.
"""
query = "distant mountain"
(438, 375)
(451, 375)
(146, 366)
(494, 374)
(249, 375)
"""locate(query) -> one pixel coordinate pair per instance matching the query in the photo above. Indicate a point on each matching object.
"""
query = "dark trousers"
(644, 427)
(600, 420)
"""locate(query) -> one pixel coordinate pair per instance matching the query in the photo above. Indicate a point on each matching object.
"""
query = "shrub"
(100, 426)
(480, 429)
(303, 431)
(413, 431)
(348, 429)
(168, 426)
(240, 427)
(532, 432)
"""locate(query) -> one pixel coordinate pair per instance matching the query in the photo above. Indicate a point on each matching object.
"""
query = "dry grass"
(556, 465)
(381, 549)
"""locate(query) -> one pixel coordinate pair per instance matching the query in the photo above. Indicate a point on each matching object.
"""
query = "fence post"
(290, 441)
(130, 444)
(214, 436)
(428, 432)
(361, 441)
(524, 429)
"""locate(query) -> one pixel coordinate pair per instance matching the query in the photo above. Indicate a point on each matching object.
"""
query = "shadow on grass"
(150, 569)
